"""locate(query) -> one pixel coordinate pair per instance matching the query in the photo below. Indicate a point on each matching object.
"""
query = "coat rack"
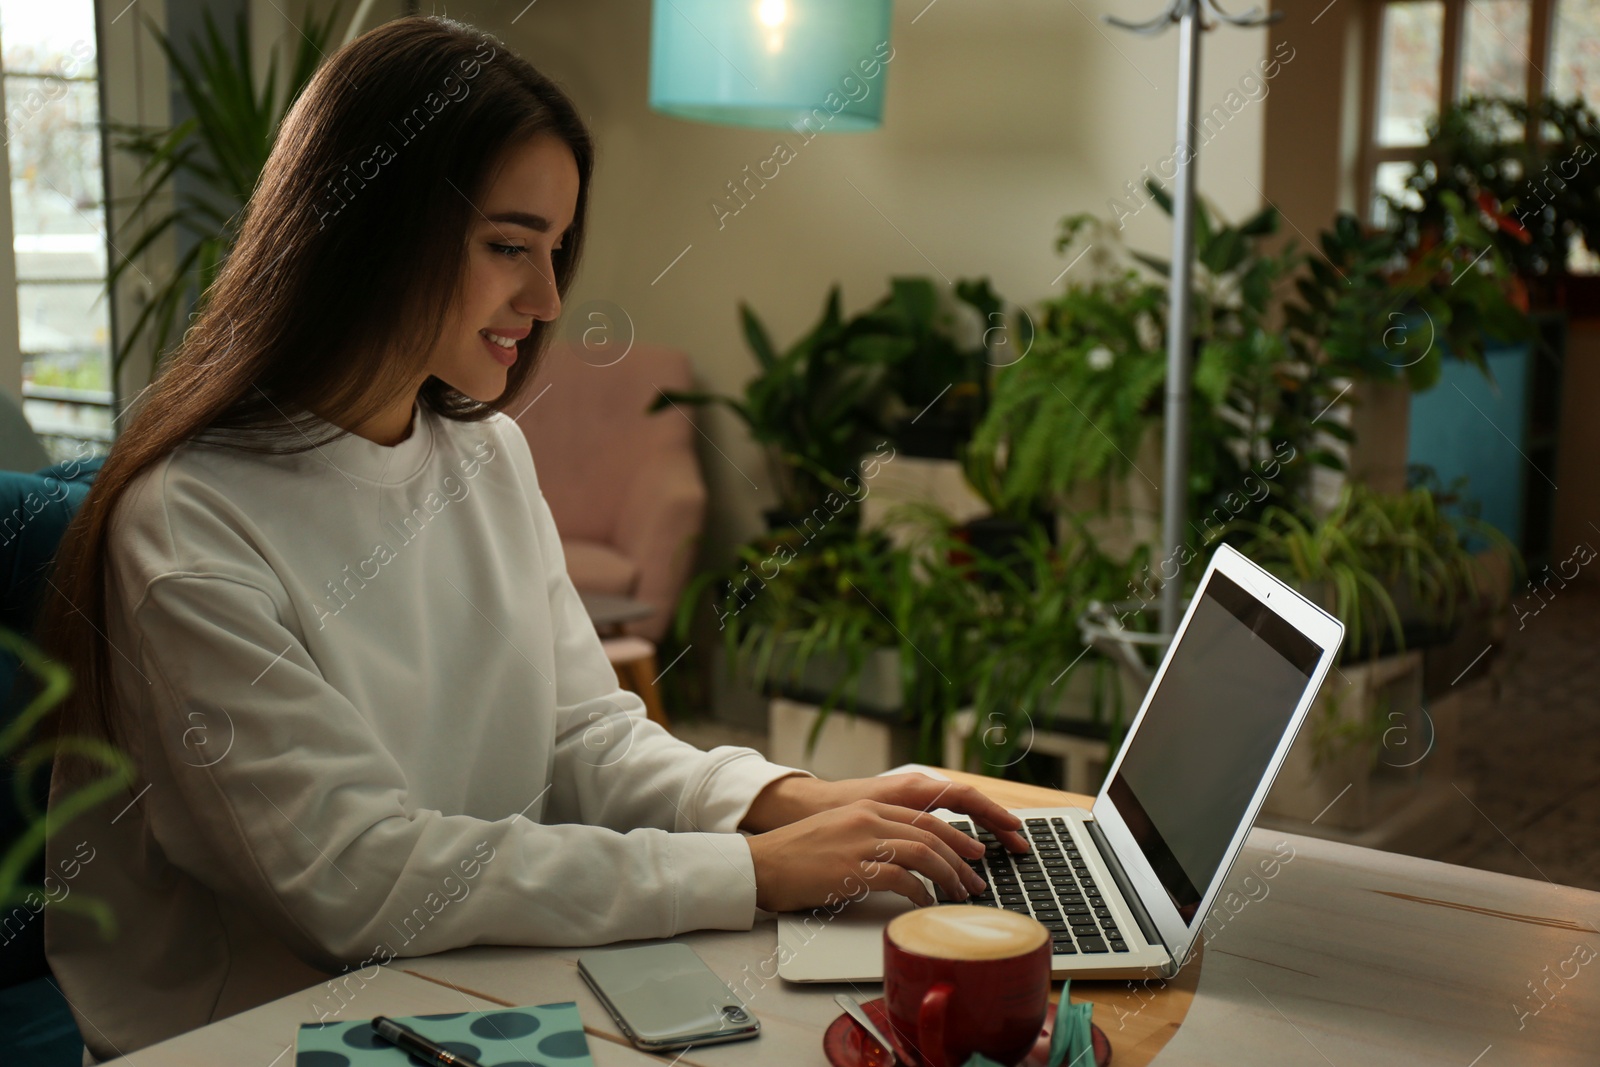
(1175, 451)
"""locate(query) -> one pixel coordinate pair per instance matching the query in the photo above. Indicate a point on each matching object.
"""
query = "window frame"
(1541, 29)
(129, 89)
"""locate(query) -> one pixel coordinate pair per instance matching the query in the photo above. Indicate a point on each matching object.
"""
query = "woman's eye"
(509, 251)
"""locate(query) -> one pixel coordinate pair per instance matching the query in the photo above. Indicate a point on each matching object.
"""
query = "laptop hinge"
(1135, 905)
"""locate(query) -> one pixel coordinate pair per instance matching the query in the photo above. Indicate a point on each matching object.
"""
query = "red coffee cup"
(960, 979)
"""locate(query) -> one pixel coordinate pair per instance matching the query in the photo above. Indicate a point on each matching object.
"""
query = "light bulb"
(773, 13)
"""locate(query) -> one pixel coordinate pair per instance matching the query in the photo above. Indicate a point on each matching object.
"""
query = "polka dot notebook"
(549, 1035)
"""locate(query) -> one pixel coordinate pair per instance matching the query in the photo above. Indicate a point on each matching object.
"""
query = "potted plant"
(1037, 690)
(815, 408)
(969, 626)
(1004, 533)
(885, 632)
(938, 391)
(1536, 198)
(1267, 369)
(897, 371)
(1065, 426)
(939, 651)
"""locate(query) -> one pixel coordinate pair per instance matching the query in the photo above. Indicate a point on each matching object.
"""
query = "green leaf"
(917, 300)
(1225, 252)
(1159, 194)
(1155, 263)
(1203, 230)
(981, 298)
(1261, 224)
(755, 336)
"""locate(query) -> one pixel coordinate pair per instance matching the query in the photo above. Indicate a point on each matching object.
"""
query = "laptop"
(1125, 886)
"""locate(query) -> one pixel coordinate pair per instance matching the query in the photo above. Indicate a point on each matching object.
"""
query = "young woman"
(317, 595)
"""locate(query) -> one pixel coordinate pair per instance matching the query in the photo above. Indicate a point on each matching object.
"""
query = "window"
(57, 195)
(1427, 54)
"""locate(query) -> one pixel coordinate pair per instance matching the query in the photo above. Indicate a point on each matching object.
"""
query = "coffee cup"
(960, 979)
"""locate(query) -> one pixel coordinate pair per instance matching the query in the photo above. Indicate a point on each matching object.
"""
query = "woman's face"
(510, 277)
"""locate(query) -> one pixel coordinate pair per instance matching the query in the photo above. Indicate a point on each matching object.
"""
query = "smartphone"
(665, 997)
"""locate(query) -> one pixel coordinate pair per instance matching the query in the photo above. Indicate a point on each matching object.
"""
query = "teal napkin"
(1070, 1042)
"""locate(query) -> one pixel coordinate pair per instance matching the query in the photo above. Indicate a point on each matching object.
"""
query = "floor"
(1529, 746)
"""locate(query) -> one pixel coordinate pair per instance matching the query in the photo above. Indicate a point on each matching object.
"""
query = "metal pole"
(1180, 310)
(1175, 453)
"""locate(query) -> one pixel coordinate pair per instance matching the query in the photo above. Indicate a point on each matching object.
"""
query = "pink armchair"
(624, 487)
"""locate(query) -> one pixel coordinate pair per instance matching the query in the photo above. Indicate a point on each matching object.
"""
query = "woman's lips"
(501, 355)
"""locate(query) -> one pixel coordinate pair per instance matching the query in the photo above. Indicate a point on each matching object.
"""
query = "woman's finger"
(927, 793)
(945, 839)
(1012, 839)
(989, 814)
(899, 880)
(921, 851)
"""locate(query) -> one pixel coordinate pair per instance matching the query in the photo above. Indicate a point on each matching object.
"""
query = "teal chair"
(20, 449)
(36, 1027)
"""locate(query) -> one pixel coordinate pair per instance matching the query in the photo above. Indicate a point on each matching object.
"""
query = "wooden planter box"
(869, 732)
(864, 733)
(850, 745)
(876, 689)
(1331, 780)
(1398, 791)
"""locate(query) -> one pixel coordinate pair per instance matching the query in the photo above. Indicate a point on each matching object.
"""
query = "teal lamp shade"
(771, 64)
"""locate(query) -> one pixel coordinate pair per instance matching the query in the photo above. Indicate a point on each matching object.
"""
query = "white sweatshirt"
(377, 722)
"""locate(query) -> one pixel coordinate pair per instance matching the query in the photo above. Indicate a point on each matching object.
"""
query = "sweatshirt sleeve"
(614, 766)
(305, 817)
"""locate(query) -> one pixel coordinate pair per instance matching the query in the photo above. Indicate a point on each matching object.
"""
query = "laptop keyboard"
(1052, 883)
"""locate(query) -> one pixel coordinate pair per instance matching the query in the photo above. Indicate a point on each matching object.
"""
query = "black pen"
(404, 1037)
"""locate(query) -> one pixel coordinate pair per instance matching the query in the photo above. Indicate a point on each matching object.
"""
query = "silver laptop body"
(1150, 858)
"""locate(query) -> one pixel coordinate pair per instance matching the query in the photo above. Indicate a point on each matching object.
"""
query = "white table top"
(1349, 957)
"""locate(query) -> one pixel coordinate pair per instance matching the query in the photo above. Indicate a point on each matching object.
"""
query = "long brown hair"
(350, 257)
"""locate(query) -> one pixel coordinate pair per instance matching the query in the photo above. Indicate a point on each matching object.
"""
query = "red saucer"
(847, 1045)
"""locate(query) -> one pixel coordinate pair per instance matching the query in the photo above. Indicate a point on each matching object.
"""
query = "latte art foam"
(965, 932)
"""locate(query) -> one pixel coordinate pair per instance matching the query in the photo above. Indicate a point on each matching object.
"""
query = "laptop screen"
(1230, 689)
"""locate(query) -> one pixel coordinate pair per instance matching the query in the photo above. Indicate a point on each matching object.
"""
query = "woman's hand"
(796, 797)
(831, 839)
(864, 845)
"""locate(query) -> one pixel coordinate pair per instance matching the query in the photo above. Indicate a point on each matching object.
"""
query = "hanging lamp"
(770, 64)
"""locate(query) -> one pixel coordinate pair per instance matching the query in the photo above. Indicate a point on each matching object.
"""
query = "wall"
(1312, 127)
